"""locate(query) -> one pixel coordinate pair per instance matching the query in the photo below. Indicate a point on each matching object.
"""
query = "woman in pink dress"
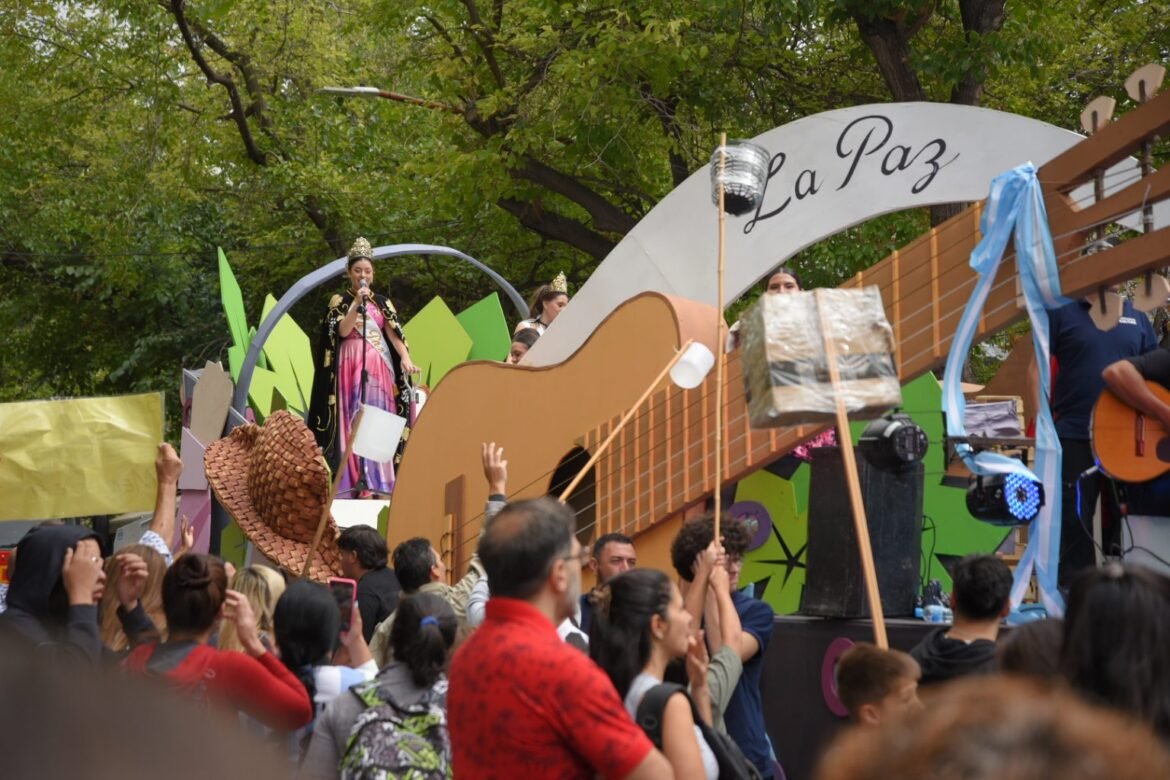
(360, 322)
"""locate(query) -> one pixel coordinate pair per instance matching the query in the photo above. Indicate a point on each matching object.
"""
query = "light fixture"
(893, 441)
(741, 168)
(1004, 499)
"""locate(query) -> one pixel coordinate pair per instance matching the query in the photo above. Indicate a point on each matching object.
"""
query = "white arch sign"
(828, 172)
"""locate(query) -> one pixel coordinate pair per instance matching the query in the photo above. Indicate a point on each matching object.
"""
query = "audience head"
(111, 626)
(423, 633)
(694, 537)
(193, 588)
(308, 625)
(362, 549)
(530, 553)
(783, 280)
(636, 615)
(73, 720)
(612, 555)
(547, 303)
(999, 728)
(1117, 641)
(521, 343)
(416, 563)
(37, 586)
(1032, 649)
(262, 586)
(877, 685)
(982, 588)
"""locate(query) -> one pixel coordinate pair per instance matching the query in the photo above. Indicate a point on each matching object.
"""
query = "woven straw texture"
(274, 483)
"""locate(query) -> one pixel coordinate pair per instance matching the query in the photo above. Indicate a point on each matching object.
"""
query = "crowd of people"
(514, 671)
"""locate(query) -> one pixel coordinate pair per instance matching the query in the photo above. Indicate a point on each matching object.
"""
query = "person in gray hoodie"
(56, 587)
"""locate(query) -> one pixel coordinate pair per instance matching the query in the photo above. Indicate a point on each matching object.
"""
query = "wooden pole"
(845, 442)
(720, 352)
(622, 423)
(357, 421)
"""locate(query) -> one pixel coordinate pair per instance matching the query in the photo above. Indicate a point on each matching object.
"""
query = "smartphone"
(344, 592)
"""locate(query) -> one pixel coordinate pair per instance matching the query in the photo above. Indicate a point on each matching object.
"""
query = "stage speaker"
(834, 585)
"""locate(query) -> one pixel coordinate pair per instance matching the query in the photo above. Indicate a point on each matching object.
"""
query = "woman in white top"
(639, 625)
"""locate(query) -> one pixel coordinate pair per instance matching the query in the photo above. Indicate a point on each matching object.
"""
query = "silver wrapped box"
(786, 376)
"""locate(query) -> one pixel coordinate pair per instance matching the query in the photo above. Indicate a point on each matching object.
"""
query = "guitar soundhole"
(583, 499)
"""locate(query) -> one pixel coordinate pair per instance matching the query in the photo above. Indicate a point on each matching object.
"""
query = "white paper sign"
(378, 434)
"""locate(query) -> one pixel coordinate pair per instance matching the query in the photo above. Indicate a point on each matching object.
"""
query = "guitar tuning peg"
(1097, 114)
(1145, 82)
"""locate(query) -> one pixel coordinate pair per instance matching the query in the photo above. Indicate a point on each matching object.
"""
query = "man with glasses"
(522, 703)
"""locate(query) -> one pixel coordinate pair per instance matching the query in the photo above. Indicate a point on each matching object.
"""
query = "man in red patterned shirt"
(521, 702)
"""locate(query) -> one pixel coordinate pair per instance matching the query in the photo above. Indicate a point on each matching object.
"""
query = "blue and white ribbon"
(1016, 202)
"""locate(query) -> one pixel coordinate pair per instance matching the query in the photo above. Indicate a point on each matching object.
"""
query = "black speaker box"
(834, 585)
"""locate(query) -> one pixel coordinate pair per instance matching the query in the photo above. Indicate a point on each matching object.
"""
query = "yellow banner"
(78, 457)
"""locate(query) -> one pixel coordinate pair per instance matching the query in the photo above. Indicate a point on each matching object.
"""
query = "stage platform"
(799, 700)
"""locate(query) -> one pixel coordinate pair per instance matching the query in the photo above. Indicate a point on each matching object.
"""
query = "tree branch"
(238, 114)
(890, 44)
(558, 227)
(485, 40)
(606, 217)
(980, 17)
(446, 36)
(665, 110)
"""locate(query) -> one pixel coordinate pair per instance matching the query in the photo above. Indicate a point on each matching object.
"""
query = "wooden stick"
(845, 442)
(357, 420)
(622, 423)
(720, 352)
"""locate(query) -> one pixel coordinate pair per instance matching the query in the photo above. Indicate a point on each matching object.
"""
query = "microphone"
(1088, 472)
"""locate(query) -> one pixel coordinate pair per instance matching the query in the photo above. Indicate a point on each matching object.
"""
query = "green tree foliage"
(532, 134)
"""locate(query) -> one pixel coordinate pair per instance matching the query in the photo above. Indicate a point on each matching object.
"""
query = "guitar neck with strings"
(662, 463)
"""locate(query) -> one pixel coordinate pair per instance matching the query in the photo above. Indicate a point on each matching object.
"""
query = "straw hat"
(274, 483)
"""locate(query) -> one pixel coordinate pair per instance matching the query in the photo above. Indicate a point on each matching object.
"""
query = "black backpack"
(733, 765)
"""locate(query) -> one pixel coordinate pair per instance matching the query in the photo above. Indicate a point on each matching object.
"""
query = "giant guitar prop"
(661, 465)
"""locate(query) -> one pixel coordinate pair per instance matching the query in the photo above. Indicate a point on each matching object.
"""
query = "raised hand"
(131, 579)
(167, 465)
(237, 609)
(82, 573)
(495, 468)
(187, 537)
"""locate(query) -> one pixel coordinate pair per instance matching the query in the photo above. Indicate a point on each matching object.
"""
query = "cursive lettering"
(869, 136)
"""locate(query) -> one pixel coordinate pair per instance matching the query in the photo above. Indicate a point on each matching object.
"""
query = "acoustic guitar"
(1129, 445)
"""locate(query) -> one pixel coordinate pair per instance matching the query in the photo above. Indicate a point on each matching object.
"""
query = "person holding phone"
(311, 622)
(363, 560)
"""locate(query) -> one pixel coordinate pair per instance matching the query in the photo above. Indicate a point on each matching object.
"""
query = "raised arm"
(168, 468)
(731, 631)
(695, 591)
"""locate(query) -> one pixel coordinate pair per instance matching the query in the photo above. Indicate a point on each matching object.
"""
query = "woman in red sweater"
(195, 600)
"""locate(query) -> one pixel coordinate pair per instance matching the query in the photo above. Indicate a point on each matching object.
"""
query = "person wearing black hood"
(55, 589)
(980, 599)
